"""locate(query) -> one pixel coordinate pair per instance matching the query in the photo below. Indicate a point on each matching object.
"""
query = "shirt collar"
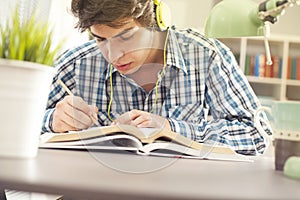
(174, 52)
(108, 69)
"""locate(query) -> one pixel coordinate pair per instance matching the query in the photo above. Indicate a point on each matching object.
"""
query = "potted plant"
(26, 57)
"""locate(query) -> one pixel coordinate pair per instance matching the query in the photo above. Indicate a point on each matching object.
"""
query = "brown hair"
(108, 12)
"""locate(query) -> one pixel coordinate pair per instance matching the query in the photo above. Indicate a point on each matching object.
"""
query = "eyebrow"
(103, 38)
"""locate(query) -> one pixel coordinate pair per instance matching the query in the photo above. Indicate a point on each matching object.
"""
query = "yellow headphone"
(162, 14)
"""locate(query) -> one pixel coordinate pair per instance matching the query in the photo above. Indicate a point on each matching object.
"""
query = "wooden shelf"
(283, 46)
(293, 83)
(263, 80)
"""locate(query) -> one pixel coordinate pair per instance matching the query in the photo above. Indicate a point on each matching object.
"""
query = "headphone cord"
(111, 93)
(162, 72)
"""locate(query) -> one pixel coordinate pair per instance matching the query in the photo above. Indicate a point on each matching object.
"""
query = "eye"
(128, 34)
(100, 40)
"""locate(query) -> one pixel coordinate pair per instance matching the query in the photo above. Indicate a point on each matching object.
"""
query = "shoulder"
(84, 51)
(193, 37)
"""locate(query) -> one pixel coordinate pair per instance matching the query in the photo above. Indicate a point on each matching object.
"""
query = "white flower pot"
(24, 90)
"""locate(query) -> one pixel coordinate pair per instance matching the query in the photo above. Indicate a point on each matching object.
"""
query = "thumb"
(93, 111)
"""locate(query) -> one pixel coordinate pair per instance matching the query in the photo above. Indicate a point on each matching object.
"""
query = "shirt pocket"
(191, 112)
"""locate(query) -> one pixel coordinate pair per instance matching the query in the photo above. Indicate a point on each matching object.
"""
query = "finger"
(123, 119)
(69, 124)
(133, 114)
(150, 120)
(95, 109)
(94, 115)
(78, 119)
(73, 114)
(79, 104)
(142, 121)
(145, 124)
(59, 124)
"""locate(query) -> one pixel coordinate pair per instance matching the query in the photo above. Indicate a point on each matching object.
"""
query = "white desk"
(79, 175)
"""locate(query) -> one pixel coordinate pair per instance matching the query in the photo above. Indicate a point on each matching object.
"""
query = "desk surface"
(104, 175)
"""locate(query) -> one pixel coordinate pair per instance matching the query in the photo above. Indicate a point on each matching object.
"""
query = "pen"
(95, 121)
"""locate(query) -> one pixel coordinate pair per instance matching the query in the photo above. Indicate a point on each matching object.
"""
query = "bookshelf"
(283, 85)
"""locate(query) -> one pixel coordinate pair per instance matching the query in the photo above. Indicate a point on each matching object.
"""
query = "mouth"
(123, 67)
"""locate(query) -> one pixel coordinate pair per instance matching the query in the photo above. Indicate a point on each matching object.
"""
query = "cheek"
(104, 51)
(139, 56)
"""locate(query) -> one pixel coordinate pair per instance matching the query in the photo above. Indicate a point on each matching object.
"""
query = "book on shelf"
(289, 68)
(255, 65)
(143, 141)
(293, 68)
(298, 68)
(259, 65)
(276, 72)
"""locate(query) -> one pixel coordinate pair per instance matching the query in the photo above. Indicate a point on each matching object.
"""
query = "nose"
(114, 51)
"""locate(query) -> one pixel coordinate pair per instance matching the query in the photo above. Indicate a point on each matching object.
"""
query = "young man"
(139, 72)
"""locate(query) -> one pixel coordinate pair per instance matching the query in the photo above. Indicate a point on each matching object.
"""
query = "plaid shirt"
(200, 74)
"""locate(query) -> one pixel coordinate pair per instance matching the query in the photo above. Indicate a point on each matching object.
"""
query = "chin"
(130, 71)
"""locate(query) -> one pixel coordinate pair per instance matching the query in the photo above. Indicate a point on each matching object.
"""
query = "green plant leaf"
(28, 39)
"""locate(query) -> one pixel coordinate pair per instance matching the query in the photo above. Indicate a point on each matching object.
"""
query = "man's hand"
(143, 119)
(73, 113)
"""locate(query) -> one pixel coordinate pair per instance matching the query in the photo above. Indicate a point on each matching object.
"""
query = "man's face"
(127, 47)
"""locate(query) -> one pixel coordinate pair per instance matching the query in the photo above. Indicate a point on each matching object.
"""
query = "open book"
(144, 141)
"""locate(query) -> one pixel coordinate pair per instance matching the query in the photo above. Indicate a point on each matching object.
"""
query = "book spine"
(255, 65)
(276, 63)
(298, 68)
(259, 66)
(247, 65)
(252, 65)
(289, 68)
(280, 67)
(294, 69)
(269, 69)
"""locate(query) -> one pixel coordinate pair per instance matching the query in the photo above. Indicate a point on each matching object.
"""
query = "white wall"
(189, 13)
(289, 22)
(57, 11)
(64, 22)
(26, 8)
(193, 13)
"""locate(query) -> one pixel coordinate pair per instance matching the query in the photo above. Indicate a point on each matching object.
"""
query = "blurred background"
(185, 14)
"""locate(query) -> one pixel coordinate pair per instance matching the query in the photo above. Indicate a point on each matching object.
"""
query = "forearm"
(241, 136)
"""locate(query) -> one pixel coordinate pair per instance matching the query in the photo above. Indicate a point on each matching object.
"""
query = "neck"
(147, 75)
(158, 47)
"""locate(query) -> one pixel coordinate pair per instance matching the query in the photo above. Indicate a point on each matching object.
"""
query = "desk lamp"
(240, 18)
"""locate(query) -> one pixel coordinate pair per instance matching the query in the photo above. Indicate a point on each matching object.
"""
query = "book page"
(176, 150)
(126, 136)
(118, 142)
(140, 133)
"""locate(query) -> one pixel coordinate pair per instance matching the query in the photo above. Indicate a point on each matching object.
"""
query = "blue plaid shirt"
(200, 74)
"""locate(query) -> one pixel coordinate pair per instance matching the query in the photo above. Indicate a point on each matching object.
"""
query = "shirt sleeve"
(47, 121)
(232, 104)
(66, 73)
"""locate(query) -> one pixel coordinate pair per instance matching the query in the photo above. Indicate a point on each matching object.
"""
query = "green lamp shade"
(234, 18)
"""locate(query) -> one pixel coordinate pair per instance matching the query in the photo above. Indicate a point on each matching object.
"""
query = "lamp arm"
(270, 10)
